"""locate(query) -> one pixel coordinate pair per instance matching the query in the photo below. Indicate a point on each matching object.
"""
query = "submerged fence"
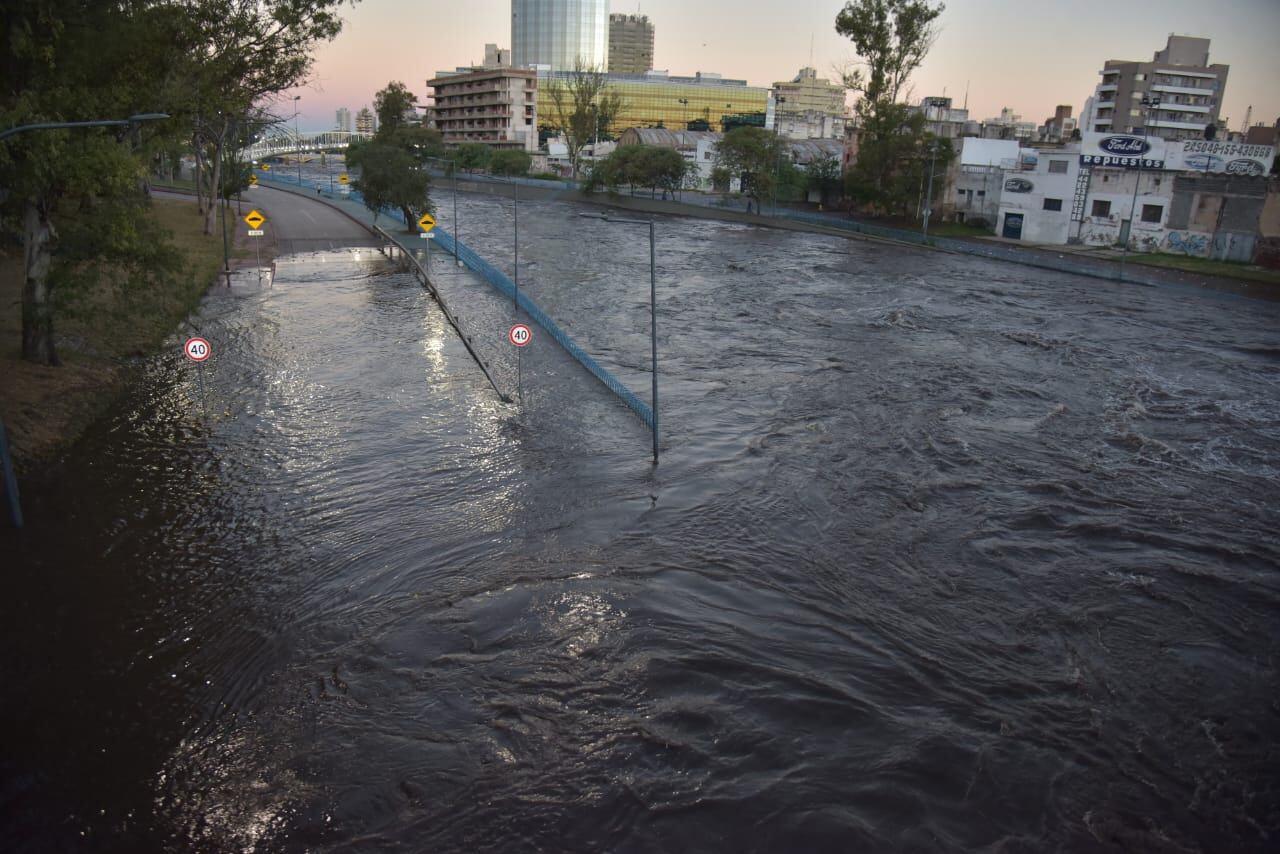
(503, 284)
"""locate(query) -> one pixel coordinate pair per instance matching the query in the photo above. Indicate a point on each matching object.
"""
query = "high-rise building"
(1189, 88)
(342, 121)
(630, 44)
(366, 121)
(560, 33)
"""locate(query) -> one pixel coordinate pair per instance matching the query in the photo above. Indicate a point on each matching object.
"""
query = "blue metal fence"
(499, 280)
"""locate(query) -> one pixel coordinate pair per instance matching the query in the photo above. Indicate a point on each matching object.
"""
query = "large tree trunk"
(215, 187)
(195, 146)
(37, 310)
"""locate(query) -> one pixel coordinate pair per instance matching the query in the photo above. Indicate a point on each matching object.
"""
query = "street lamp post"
(1149, 102)
(684, 112)
(297, 140)
(457, 228)
(653, 314)
(928, 198)
(132, 120)
(777, 132)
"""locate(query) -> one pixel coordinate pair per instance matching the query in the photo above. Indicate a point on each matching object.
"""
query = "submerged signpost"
(199, 350)
(255, 222)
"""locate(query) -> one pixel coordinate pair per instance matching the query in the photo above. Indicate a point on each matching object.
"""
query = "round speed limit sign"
(197, 349)
(520, 335)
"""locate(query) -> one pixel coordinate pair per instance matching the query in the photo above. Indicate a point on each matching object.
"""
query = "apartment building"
(1190, 92)
(495, 106)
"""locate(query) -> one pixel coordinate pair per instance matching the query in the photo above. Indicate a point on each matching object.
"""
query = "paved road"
(298, 224)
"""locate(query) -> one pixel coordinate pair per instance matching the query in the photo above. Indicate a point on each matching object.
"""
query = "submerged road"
(942, 555)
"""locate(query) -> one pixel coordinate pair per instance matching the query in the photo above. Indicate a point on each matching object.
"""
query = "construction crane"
(1248, 114)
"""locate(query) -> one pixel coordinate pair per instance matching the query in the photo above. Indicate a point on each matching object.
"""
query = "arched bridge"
(284, 142)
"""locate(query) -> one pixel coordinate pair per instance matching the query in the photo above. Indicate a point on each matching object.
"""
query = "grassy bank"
(45, 409)
(1226, 269)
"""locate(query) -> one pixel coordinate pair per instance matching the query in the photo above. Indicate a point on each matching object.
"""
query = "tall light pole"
(653, 314)
(455, 225)
(684, 112)
(1149, 102)
(777, 167)
(297, 140)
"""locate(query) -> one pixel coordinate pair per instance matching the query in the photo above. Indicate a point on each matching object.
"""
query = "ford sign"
(1203, 162)
(1018, 185)
(1129, 146)
(1244, 166)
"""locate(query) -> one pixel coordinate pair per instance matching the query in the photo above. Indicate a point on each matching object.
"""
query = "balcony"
(1180, 90)
(1185, 108)
(1171, 125)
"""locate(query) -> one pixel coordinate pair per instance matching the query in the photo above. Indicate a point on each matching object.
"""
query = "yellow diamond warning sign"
(343, 179)
(253, 180)
(254, 219)
(427, 222)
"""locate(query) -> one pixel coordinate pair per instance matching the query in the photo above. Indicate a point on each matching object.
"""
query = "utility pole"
(1149, 102)
(297, 140)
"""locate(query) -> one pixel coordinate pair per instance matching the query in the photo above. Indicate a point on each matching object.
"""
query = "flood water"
(941, 555)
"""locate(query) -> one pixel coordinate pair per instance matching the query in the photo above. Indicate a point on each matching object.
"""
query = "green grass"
(173, 184)
(1226, 269)
(45, 409)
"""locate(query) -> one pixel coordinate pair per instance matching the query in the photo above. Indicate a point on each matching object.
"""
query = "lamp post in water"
(452, 168)
(653, 314)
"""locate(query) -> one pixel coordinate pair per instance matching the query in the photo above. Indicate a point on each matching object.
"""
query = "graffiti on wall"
(1187, 242)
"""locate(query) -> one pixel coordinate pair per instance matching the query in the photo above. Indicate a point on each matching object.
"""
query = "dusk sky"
(1023, 54)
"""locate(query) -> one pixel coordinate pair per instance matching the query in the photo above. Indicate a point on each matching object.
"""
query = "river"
(942, 554)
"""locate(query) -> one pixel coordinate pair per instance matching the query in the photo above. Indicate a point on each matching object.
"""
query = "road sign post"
(198, 350)
(520, 335)
(426, 222)
(255, 221)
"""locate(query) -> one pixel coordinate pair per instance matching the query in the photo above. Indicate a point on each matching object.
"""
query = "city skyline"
(992, 48)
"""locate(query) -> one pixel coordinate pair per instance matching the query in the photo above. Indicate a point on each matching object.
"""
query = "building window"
(1053, 204)
(1057, 166)
(981, 193)
(1101, 208)
(1151, 213)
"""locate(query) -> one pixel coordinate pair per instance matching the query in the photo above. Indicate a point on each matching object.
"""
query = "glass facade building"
(651, 100)
(558, 33)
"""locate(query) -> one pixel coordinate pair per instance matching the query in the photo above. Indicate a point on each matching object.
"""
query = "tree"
(892, 37)
(204, 62)
(392, 105)
(510, 161)
(752, 155)
(583, 107)
(472, 156)
(823, 177)
(391, 179)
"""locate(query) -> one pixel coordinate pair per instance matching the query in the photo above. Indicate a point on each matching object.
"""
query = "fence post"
(10, 479)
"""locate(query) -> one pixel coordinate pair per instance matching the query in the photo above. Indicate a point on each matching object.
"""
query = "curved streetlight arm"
(132, 120)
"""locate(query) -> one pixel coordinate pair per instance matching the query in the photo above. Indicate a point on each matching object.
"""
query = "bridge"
(283, 142)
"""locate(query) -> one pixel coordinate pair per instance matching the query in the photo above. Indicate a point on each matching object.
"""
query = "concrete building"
(630, 44)
(1189, 88)
(657, 99)
(1009, 125)
(1037, 198)
(342, 120)
(557, 34)
(799, 108)
(496, 106)
(974, 180)
(366, 121)
(1060, 126)
(941, 118)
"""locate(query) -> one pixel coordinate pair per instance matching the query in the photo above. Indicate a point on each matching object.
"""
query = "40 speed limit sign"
(197, 349)
(520, 335)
